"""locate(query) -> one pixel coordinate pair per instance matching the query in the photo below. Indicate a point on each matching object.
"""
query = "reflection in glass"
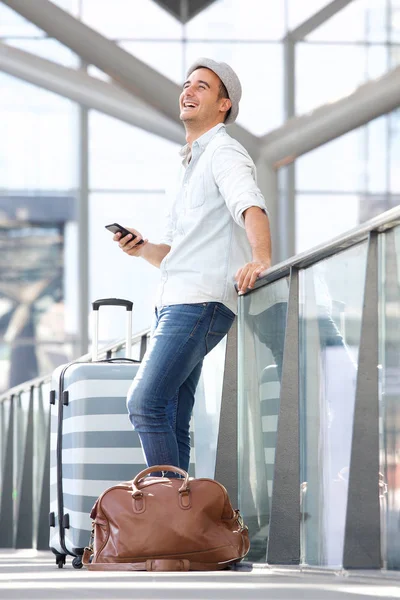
(331, 300)
(390, 397)
(261, 336)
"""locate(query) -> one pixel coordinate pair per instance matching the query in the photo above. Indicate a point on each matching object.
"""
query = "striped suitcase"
(93, 445)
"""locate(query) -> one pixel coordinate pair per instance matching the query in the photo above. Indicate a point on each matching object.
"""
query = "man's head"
(211, 94)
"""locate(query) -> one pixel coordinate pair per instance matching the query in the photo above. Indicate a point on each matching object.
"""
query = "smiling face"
(200, 103)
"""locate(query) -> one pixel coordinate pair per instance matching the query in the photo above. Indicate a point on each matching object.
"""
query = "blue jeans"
(161, 397)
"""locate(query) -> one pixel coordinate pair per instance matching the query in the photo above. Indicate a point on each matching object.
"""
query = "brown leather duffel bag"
(165, 524)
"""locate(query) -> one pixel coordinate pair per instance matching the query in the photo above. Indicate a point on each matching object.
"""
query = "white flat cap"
(228, 77)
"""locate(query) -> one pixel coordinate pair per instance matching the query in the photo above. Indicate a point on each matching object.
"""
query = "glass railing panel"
(41, 410)
(5, 407)
(21, 415)
(331, 302)
(206, 413)
(261, 335)
(390, 396)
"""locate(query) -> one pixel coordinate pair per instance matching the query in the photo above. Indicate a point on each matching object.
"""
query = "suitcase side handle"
(112, 302)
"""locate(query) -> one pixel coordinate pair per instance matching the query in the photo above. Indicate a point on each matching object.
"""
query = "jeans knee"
(135, 408)
(146, 412)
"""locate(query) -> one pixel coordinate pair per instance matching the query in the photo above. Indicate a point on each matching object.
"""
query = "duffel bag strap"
(157, 564)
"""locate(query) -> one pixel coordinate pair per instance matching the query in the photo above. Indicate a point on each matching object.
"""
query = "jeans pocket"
(220, 324)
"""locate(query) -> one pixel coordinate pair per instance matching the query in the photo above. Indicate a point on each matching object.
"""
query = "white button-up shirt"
(205, 224)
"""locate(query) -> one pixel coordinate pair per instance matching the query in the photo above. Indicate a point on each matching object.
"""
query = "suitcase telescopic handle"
(112, 302)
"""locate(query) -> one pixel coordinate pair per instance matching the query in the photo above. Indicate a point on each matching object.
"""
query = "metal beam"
(24, 520)
(284, 529)
(88, 91)
(362, 544)
(83, 266)
(303, 134)
(267, 180)
(7, 484)
(318, 19)
(226, 464)
(287, 175)
(135, 76)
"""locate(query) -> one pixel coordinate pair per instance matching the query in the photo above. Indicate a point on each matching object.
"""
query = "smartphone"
(117, 228)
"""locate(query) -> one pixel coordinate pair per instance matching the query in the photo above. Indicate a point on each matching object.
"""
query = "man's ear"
(225, 105)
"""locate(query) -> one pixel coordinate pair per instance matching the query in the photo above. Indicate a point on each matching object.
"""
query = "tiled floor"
(27, 574)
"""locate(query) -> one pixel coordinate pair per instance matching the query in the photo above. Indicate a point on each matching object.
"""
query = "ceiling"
(184, 10)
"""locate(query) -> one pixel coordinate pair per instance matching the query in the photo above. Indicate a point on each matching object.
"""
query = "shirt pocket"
(195, 193)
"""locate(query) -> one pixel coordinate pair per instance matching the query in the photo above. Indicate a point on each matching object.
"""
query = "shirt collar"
(201, 142)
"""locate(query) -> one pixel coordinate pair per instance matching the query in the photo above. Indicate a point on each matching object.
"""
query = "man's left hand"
(247, 275)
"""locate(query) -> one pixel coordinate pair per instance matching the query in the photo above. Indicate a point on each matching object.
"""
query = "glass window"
(376, 167)
(320, 218)
(325, 73)
(164, 57)
(337, 166)
(127, 277)
(377, 59)
(37, 141)
(390, 396)
(47, 48)
(261, 106)
(331, 301)
(238, 20)
(394, 151)
(394, 59)
(361, 20)
(31, 299)
(395, 21)
(298, 12)
(125, 157)
(12, 24)
(261, 336)
(126, 19)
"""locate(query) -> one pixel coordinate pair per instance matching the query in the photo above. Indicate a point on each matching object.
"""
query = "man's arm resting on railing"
(153, 253)
(258, 233)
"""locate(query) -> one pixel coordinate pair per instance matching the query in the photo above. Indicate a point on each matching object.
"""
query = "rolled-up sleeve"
(235, 176)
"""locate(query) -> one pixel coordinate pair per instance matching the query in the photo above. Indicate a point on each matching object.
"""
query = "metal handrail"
(37, 381)
(384, 221)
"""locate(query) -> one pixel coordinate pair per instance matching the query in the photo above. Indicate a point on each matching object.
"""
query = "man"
(217, 227)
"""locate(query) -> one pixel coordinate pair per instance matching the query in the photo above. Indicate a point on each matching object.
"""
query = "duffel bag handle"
(140, 476)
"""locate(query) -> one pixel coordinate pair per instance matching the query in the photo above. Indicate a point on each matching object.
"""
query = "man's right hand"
(128, 245)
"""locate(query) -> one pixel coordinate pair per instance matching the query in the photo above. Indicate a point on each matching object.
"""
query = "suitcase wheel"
(60, 560)
(77, 562)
